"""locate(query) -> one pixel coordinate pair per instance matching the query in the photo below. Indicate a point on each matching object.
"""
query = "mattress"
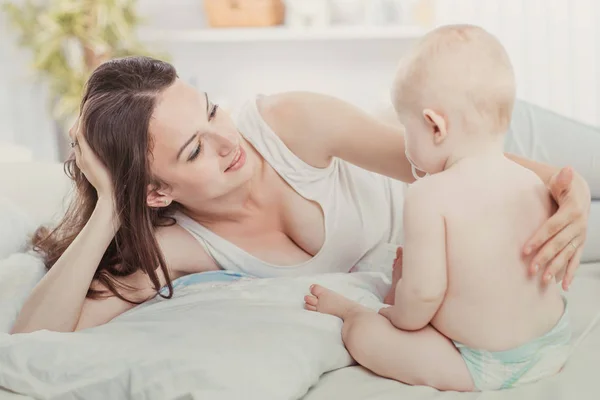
(578, 380)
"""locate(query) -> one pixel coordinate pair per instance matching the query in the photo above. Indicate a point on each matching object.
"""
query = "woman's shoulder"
(303, 107)
(182, 252)
(296, 118)
(284, 111)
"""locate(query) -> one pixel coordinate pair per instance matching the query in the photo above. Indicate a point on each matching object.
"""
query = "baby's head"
(454, 91)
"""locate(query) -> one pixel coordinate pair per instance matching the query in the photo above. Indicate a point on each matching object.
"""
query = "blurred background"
(235, 49)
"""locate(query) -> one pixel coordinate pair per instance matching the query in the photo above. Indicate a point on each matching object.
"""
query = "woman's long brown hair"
(116, 108)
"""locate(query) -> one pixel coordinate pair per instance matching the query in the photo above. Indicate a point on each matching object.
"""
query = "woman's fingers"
(550, 239)
(560, 183)
(572, 197)
(563, 236)
(572, 268)
(557, 267)
(551, 228)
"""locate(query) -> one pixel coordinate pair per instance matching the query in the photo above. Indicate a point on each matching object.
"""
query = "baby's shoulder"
(436, 182)
(454, 189)
(430, 189)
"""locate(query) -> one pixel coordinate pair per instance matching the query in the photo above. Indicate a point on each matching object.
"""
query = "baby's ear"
(438, 125)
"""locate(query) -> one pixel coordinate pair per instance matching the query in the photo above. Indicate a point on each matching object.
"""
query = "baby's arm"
(421, 290)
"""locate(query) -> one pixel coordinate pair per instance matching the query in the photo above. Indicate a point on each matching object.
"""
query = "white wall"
(24, 114)
(233, 72)
(554, 46)
(358, 71)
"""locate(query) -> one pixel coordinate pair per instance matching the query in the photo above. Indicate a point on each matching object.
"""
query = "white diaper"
(537, 359)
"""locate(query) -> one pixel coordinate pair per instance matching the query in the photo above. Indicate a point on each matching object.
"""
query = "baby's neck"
(488, 147)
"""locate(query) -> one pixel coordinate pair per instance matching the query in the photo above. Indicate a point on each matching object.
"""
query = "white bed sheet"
(579, 380)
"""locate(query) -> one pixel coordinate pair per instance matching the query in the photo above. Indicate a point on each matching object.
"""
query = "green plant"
(70, 38)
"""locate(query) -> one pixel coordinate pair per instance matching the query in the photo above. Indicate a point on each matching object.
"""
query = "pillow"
(19, 273)
(543, 135)
(250, 339)
(41, 189)
(16, 227)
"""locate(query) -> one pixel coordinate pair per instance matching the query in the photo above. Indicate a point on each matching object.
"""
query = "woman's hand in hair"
(90, 165)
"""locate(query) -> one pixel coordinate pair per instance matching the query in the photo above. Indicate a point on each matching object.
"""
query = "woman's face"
(196, 149)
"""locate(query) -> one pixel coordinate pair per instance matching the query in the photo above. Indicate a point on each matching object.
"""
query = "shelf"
(282, 34)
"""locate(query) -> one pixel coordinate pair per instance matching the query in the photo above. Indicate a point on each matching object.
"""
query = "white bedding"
(245, 340)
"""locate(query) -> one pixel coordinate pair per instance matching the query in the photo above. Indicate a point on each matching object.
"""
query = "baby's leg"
(424, 357)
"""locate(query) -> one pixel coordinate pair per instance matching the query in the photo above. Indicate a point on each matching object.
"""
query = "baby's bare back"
(492, 303)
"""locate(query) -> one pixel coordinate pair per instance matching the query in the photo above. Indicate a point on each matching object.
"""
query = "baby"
(466, 316)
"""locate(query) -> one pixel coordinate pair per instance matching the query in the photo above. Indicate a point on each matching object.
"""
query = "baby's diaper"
(540, 358)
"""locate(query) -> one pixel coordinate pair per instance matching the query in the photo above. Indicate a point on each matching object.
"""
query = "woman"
(167, 185)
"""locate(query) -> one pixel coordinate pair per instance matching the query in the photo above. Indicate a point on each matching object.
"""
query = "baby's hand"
(397, 269)
(396, 276)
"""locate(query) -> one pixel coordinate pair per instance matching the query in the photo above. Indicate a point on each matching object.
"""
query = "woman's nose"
(223, 144)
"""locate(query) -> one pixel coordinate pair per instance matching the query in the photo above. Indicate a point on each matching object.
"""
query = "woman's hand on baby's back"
(560, 240)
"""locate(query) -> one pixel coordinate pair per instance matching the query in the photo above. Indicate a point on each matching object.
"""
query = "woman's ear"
(157, 198)
(437, 122)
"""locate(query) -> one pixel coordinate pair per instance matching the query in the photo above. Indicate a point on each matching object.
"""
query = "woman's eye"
(213, 111)
(195, 153)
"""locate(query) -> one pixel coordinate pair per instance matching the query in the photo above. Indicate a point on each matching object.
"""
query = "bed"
(253, 340)
(577, 381)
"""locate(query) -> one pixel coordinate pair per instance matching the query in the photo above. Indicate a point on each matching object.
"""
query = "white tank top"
(362, 211)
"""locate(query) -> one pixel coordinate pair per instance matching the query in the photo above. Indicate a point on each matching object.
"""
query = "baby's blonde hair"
(461, 70)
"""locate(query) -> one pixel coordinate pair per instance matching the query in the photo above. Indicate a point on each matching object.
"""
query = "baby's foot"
(327, 301)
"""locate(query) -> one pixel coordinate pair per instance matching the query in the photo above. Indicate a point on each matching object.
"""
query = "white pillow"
(41, 189)
(19, 273)
(16, 227)
(249, 339)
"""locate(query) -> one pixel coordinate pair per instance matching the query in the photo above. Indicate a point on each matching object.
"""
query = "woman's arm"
(317, 127)
(56, 302)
